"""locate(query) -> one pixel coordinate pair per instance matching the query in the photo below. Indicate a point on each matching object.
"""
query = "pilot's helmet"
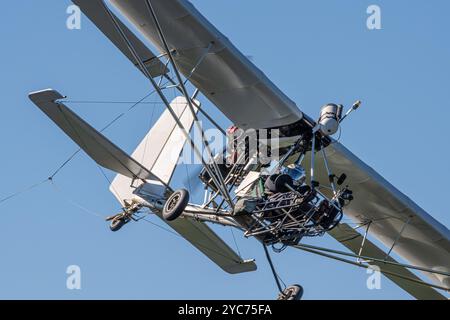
(296, 172)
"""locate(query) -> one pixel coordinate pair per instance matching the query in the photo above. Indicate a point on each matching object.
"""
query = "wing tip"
(45, 95)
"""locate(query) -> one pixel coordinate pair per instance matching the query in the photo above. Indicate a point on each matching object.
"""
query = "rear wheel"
(175, 205)
(117, 223)
(294, 292)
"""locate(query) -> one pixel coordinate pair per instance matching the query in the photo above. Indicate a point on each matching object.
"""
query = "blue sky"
(315, 51)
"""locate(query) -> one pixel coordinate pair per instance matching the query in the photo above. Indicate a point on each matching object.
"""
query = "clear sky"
(315, 51)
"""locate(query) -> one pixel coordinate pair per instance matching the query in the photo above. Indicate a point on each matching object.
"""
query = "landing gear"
(175, 205)
(294, 292)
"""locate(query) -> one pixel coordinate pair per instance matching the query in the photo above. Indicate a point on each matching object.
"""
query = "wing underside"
(401, 276)
(394, 219)
(94, 10)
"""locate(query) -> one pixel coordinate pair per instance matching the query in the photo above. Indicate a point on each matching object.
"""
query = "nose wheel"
(175, 205)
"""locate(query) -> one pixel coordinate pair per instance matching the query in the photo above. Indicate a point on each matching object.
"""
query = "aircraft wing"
(249, 99)
(223, 74)
(160, 151)
(211, 245)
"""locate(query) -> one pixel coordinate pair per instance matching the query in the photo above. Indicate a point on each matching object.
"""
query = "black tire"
(281, 181)
(116, 224)
(175, 205)
(294, 292)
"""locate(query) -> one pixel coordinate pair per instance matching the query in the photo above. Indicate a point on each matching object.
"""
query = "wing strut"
(218, 176)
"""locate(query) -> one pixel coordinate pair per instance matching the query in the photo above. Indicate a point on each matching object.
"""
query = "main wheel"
(175, 205)
(294, 292)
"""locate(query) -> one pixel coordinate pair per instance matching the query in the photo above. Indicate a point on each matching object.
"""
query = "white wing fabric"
(224, 75)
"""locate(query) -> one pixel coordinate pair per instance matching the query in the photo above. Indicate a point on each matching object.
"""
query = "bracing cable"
(73, 155)
(16, 194)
